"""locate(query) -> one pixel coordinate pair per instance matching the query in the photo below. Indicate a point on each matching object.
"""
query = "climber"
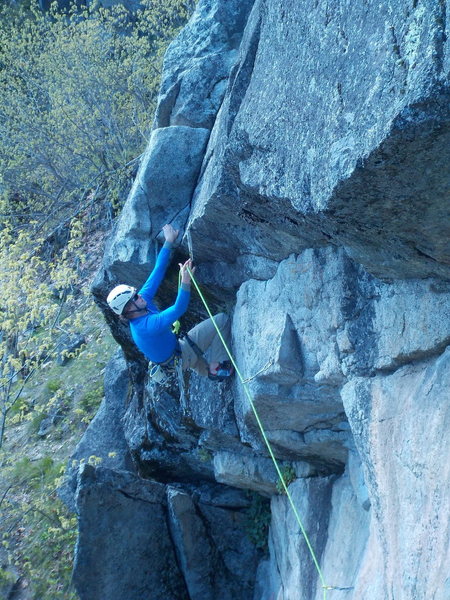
(200, 349)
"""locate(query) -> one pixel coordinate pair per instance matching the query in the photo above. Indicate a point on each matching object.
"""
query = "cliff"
(303, 149)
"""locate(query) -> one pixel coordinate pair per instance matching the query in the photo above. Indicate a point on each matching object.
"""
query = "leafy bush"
(257, 521)
(29, 328)
(38, 532)
(77, 92)
(53, 385)
(204, 455)
(289, 475)
(91, 399)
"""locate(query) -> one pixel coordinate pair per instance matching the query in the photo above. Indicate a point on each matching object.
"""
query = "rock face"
(408, 519)
(303, 149)
(123, 519)
(335, 129)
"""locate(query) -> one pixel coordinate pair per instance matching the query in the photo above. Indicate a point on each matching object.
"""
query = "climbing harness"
(160, 372)
(325, 587)
(194, 346)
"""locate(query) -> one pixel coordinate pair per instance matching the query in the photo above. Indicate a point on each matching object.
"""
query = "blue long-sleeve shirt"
(152, 332)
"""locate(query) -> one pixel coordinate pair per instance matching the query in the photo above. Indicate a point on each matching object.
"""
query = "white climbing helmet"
(119, 296)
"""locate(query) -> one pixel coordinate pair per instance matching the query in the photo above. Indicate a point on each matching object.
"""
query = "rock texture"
(122, 519)
(303, 148)
(216, 560)
(334, 128)
(409, 412)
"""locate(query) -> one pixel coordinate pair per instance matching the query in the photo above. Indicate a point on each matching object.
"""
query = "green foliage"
(36, 420)
(77, 92)
(20, 408)
(6, 578)
(91, 399)
(32, 297)
(38, 532)
(257, 521)
(53, 385)
(34, 472)
(204, 455)
(289, 475)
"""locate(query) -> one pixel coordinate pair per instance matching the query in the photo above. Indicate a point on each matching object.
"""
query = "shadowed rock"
(122, 520)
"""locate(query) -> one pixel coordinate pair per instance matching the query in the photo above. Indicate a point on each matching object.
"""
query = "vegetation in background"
(77, 90)
(77, 94)
(289, 475)
(37, 531)
(257, 521)
(34, 297)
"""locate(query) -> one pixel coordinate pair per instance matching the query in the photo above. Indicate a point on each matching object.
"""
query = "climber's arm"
(150, 287)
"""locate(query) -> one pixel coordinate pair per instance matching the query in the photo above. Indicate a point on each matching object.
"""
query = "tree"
(32, 296)
(77, 91)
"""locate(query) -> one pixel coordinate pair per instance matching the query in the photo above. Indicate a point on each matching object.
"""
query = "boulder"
(123, 548)
(334, 128)
(224, 563)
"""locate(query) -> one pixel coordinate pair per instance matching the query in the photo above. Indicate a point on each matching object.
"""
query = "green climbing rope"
(325, 587)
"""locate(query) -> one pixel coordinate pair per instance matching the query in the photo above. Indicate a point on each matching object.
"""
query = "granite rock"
(314, 198)
(109, 502)
(198, 62)
(253, 472)
(334, 128)
(223, 563)
(393, 419)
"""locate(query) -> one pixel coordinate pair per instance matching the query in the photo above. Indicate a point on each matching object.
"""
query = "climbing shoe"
(224, 370)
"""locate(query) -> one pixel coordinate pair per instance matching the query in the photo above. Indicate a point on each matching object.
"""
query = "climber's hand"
(170, 233)
(184, 270)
